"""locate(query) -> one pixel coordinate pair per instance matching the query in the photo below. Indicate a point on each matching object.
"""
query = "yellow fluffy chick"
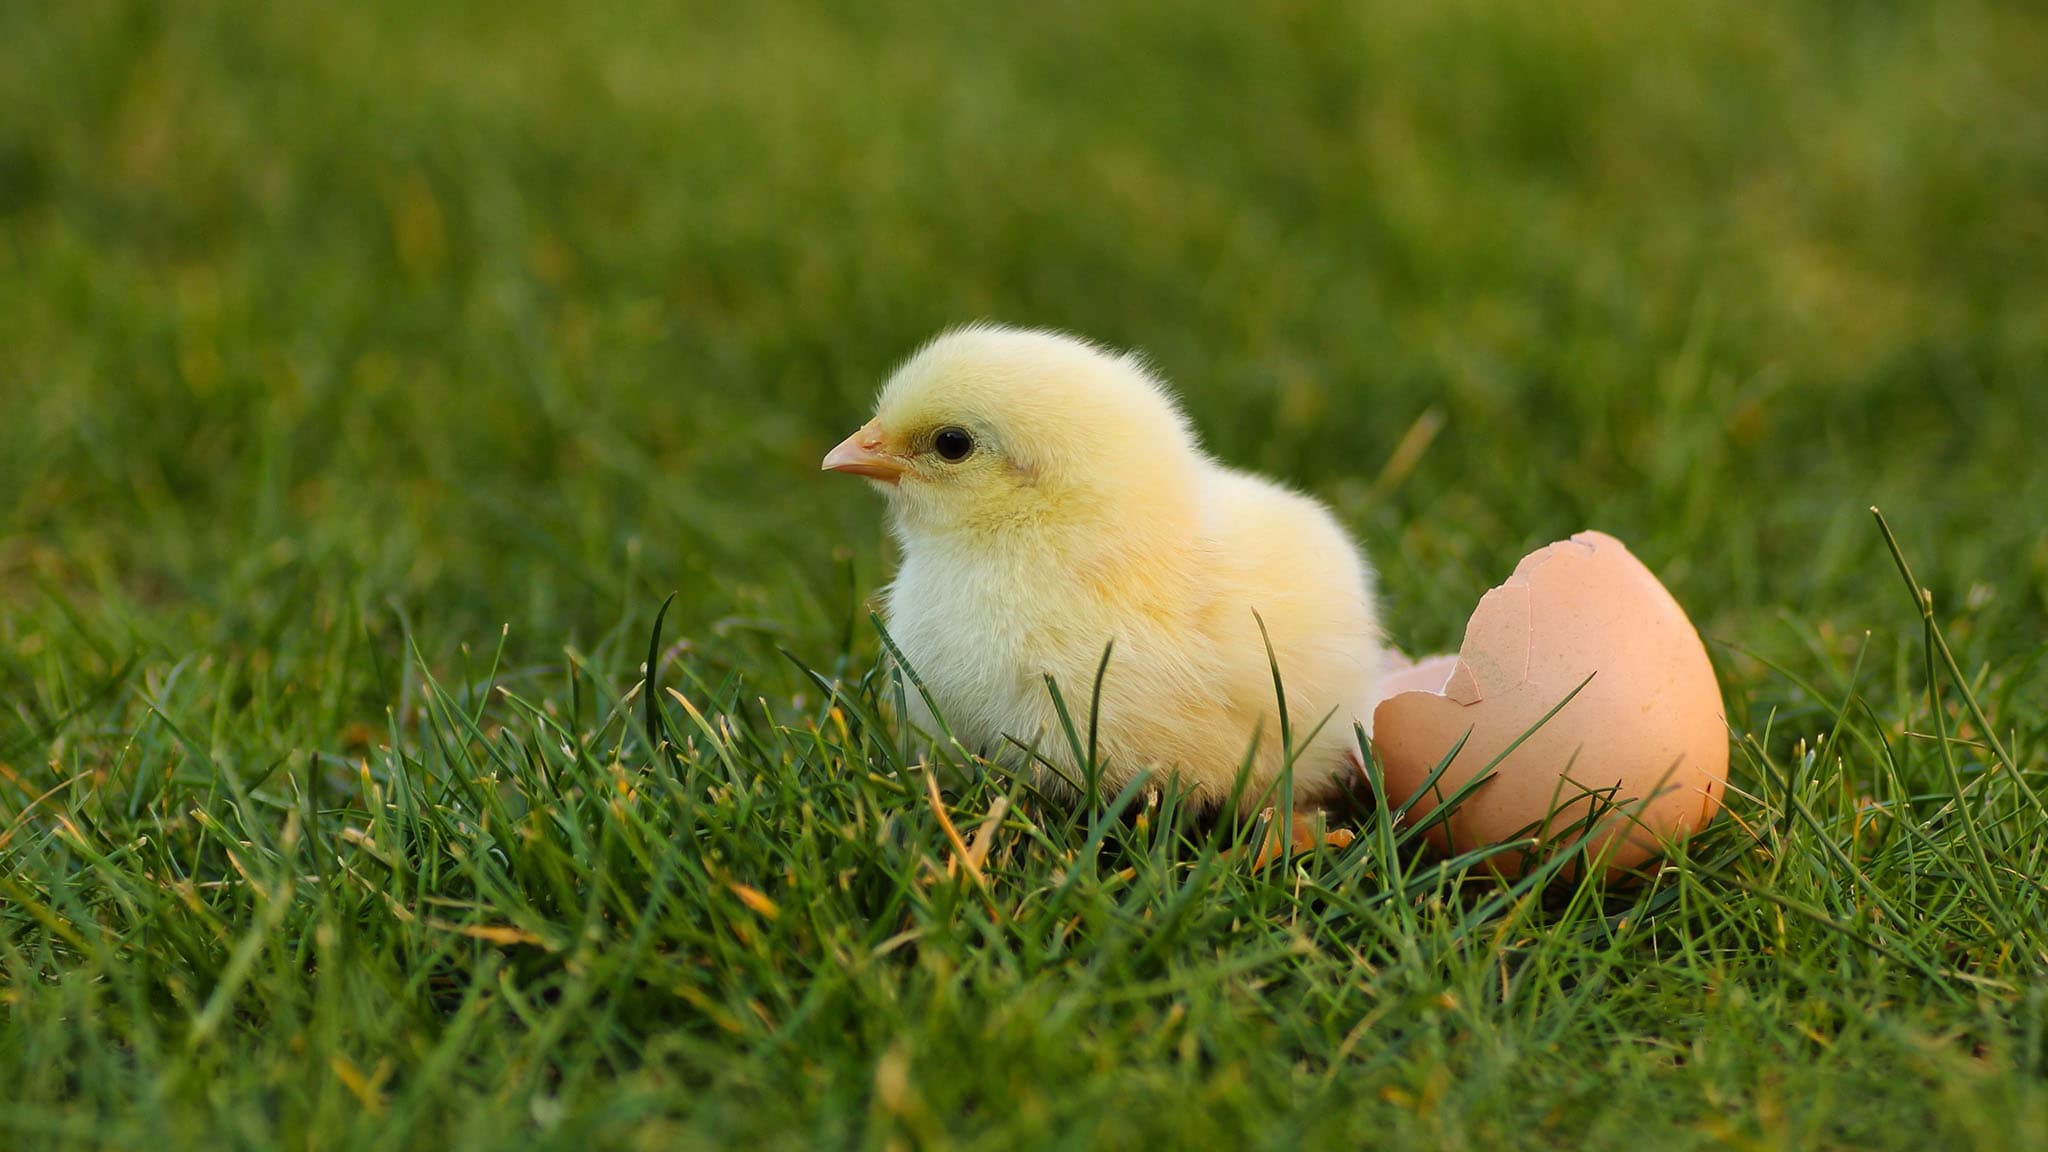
(1050, 498)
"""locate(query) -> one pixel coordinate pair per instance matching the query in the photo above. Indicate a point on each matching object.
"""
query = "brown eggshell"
(1429, 674)
(1647, 732)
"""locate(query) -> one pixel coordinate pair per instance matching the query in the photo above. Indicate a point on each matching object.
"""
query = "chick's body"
(1084, 514)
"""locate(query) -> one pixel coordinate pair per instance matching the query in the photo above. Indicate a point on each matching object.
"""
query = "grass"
(373, 373)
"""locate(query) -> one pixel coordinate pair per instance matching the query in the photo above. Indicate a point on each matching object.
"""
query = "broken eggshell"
(1642, 747)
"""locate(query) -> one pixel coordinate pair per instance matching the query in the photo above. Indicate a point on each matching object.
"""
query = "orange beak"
(861, 454)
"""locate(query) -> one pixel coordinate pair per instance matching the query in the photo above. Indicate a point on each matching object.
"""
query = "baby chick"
(1050, 498)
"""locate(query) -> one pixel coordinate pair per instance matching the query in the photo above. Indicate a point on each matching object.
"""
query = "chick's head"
(992, 431)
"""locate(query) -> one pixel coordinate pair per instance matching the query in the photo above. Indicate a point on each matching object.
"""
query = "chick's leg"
(1309, 832)
(1306, 832)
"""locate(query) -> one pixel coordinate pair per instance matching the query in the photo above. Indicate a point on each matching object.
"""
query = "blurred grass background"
(523, 315)
(329, 328)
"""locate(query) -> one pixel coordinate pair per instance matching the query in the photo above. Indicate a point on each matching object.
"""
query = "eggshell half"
(1646, 733)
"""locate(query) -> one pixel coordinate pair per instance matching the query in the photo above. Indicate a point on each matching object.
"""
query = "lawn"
(371, 374)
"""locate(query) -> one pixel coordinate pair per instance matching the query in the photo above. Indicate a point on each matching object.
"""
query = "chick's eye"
(953, 444)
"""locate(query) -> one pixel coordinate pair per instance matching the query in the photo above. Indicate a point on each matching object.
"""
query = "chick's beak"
(861, 454)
